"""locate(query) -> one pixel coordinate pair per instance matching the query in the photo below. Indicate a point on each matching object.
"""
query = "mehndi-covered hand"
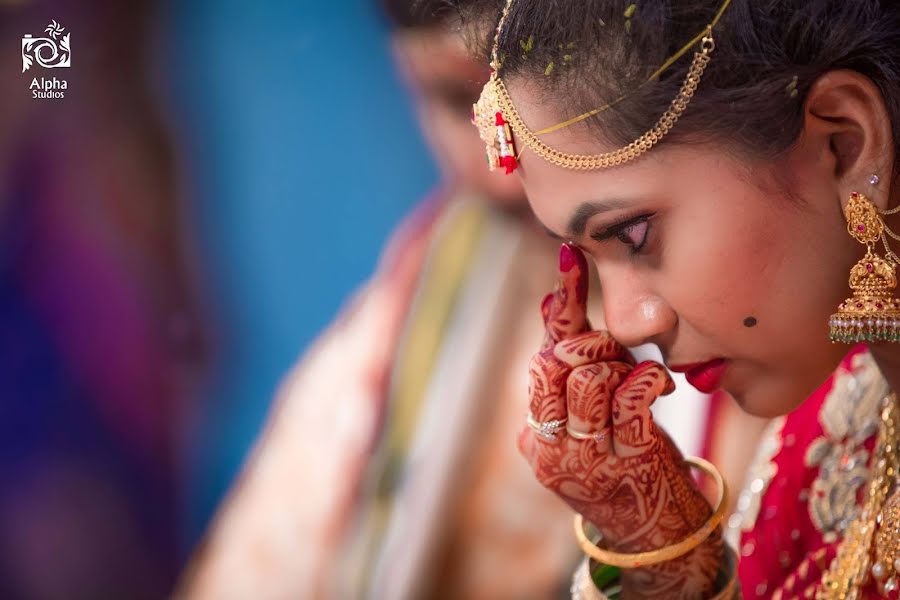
(613, 465)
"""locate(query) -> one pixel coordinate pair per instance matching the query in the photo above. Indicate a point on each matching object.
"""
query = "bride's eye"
(633, 232)
(634, 235)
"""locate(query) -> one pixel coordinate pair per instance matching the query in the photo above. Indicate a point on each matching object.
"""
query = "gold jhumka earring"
(872, 313)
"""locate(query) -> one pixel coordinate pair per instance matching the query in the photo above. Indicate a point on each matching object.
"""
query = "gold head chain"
(498, 121)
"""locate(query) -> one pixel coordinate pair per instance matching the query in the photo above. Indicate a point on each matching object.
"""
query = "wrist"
(676, 552)
(672, 511)
(595, 581)
(700, 562)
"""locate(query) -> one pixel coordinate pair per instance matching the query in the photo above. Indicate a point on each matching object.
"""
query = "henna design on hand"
(636, 490)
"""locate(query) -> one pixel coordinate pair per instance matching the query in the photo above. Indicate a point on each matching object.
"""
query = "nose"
(635, 314)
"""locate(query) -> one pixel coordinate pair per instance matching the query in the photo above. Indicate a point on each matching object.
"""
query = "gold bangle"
(652, 557)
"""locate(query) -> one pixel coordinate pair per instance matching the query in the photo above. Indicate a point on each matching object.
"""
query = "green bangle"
(606, 578)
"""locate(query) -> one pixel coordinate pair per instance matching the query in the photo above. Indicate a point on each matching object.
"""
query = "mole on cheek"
(750, 322)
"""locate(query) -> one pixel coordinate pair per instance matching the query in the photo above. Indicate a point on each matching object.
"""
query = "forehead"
(667, 171)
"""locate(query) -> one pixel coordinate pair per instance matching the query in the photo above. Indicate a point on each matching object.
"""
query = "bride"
(725, 165)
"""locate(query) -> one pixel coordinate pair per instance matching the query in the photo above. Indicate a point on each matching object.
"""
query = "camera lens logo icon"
(51, 52)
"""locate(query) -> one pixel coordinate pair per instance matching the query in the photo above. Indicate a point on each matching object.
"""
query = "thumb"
(565, 310)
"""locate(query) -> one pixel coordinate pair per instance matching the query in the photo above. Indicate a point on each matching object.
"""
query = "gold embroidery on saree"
(849, 416)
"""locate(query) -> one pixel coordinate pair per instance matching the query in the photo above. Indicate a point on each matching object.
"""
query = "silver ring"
(597, 436)
(548, 429)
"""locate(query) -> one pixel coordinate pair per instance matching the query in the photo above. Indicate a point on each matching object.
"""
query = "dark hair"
(421, 14)
(768, 54)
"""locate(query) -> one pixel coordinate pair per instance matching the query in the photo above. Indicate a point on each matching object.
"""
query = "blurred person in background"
(100, 339)
(388, 467)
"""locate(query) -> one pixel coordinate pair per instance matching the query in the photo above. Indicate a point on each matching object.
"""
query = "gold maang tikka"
(499, 123)
(872, 313)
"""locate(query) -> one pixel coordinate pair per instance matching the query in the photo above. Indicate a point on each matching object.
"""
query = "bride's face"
(708, 256)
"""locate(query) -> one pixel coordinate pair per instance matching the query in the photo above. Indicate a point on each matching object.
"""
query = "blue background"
(302, 153)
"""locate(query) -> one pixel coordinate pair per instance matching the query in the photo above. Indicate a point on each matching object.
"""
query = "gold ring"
(652, 557)
(547, 429)
(597, 436)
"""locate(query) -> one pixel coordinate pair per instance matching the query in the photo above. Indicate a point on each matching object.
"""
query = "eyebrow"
(579, 219)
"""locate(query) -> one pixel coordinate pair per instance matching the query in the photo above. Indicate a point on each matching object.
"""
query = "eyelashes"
(633, 232)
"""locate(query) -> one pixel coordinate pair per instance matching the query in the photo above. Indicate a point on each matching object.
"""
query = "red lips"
(706, 377)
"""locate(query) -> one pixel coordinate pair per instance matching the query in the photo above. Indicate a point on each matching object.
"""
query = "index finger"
(565, 310)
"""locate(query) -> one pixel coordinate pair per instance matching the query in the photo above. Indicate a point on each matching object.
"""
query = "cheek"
(725, 263)
(750, 260)
(783, 268)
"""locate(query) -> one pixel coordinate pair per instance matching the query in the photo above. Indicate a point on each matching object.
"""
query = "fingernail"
(567, 258)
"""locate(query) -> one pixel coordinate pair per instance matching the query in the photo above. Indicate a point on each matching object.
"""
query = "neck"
(888, 358)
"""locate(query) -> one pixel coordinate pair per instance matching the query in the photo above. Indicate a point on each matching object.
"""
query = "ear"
(847, 127)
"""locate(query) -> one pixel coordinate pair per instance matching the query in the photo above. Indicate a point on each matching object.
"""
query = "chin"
(770, 399)
(756, 407)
